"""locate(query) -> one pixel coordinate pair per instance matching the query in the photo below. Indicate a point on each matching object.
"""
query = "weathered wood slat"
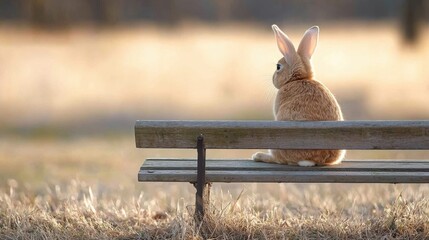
(284, 134)
(168, 170)
(249, 165)
(286, 176)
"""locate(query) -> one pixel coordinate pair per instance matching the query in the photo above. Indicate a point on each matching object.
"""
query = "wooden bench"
(202, 135)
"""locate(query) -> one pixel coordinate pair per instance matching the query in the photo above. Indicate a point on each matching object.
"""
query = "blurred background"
(75, 75)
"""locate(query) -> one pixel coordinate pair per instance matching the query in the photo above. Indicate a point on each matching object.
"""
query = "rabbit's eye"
(279, 66)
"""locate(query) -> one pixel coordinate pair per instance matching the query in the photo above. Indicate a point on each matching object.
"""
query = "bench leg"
(203, 188)
(202, 202)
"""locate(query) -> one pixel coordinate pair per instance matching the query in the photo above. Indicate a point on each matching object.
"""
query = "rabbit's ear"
(309, 42)
(285, 45)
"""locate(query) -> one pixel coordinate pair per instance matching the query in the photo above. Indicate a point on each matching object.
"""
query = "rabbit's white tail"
(306, 163)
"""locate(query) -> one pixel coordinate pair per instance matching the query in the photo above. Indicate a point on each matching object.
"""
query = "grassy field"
(68, 101)
(86, 188)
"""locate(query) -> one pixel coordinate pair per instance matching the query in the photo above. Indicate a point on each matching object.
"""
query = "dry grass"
(86, 188)
(314, 212)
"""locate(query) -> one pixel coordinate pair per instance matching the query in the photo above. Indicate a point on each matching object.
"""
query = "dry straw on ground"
(109, 203)
(79, 211)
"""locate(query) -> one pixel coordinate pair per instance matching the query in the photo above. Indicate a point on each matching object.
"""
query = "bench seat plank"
(246, 164)
(352, 171)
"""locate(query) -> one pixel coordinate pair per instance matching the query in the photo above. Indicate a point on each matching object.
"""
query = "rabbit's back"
(306, 100)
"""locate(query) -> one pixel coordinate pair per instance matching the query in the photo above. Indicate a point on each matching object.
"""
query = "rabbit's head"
(295, 64)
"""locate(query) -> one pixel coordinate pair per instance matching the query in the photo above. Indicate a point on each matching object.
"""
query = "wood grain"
(249, 165)
(166, 170)
(284, 134)
(287, 176)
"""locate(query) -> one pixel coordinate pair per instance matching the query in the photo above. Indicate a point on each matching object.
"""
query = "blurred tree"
(165, 11)
(37, 12)
(413, 14)
(60, 13)
(105, 12)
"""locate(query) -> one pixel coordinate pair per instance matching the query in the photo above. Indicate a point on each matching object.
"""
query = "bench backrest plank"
(284, 134)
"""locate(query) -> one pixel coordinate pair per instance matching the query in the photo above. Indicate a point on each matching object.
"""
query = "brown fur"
(300, 97)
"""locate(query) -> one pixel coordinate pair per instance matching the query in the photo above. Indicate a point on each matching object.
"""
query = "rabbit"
(301, 98)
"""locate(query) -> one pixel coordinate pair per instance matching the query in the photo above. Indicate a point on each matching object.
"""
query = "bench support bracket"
(203, 188)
